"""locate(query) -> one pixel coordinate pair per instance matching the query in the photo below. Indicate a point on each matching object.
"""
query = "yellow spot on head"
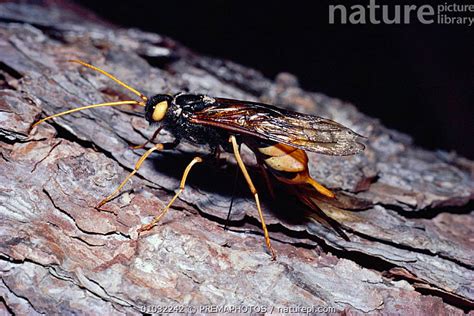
(160, 111)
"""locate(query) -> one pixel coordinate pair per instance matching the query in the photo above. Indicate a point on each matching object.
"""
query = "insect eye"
(160, 111)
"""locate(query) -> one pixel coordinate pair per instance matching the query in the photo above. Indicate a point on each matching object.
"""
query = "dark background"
(416, 78)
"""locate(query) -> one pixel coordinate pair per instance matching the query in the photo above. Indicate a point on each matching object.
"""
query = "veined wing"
(308, 132)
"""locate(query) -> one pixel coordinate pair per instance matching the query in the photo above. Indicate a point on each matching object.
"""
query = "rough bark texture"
(411, 251)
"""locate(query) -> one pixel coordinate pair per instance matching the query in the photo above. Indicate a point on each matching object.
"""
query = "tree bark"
(410, 250)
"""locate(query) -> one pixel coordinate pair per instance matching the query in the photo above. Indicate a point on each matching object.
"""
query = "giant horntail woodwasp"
(277, 137)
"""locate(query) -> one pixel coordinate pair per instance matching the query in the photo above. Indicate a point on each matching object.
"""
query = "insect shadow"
(216, 178)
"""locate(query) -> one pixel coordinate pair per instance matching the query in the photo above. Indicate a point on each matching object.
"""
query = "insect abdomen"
(290, 165)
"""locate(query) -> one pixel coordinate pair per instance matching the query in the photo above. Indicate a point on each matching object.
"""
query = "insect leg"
(266, 177)
(180, 190)
(137, 166)
(148, 141)
(235, 147)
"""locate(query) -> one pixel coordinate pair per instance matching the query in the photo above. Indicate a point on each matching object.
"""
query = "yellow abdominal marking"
(292, 160)
(285, 158)
(277, 150)
(286, 163)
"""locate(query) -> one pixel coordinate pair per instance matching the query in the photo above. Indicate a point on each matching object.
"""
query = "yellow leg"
(137, 166)
(181, 189)
(235, 147)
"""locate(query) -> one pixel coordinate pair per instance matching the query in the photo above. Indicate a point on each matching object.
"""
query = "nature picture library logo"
(378, 13)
